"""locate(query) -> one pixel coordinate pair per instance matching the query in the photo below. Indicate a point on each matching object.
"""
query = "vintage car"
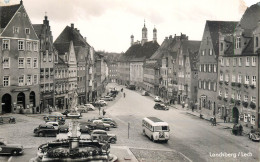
(107, 98)
(54, 124)
(45, 130)
(145, 93)
(98, 124)
(7, 119)
(109, 121)
(82, 109)
(131, 87)
(103, 136)
(63, 129)
(102, 102)
(157, 99)
(254, 135)
(90, 107)
(55, 118)
(160, 106)
(84, 128)
(74, 114)
(12, 149)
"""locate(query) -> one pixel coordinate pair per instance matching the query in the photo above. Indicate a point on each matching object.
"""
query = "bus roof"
(155, 121)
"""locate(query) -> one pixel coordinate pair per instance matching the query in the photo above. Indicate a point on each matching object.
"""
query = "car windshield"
(161, 128)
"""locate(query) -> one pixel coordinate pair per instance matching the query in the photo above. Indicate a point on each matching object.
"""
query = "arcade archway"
(6, 103)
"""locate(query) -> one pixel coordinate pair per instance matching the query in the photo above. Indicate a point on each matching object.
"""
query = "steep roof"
(62, 48)
(249, 49)
(139, 52)
(60, 60)
(251, 17)
(6, 14)
(38, 29)
(190, 45)
(165, 46)
(71, 34)
(225, 27)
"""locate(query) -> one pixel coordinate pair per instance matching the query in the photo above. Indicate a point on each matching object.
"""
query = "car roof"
(98, 130)
(51, 122)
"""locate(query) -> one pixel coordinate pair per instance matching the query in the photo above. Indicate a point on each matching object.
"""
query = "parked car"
(109, 121)
(84, 128)
(107, 98)
(55, 118)
(160, 106)
(7, 119)
(90, 107)
(131, 87)
(98, 124)
(254, 135)
(102, 102)
(54, 124)
(103, 136)
(157, 99)
(82, 109)
(74, 114)
(12, 149)
(45, 130)
(63, 129)
(145, 93)
(65, 112)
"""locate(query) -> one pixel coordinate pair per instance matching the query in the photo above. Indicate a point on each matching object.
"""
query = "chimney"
(170, 36)
(21, 2)
(85, 38)
(166, 38)
(72, 25)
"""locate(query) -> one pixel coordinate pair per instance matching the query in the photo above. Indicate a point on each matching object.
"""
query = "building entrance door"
(7, 103)
(235, 115)
(21, 99)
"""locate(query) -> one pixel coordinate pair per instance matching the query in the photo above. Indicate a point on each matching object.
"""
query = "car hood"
(14, 145)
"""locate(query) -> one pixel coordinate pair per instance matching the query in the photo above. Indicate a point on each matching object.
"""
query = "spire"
(132, 39)
(154, 34)
(144, 34)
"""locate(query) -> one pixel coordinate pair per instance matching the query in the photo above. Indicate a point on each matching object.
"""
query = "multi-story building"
(186, 72)
(67, 53)
(238, 71)
(91, 89)
(19, 68)
(166, 57)
(208, 63)
(151, 76)
(44, 33)
(81, 50)
(61, 82)
(101, 73)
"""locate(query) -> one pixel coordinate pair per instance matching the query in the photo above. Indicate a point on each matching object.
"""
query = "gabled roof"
(71, 34)
(139, 52)
(6, 14)
(190, 45)
(251, 17)
(38, 29)
(225, 27)
(249, 49)
(62, 48)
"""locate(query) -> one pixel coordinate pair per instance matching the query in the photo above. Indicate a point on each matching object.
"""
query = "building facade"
(20, 71)
(208, 65)
(238, 77)
(44, 33)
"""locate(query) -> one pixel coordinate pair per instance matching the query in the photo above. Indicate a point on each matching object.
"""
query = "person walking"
(225, 118)
(124, 95)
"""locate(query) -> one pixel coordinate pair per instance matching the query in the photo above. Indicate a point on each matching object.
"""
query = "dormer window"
(16, 30)
(27, 31)
(238, 42)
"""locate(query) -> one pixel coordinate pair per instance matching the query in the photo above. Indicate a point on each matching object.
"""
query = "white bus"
(156, 129)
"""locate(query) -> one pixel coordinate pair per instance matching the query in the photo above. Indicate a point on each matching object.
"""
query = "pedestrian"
(124, 95)
(240, 129)
(192, 108)
(225, 118)
(214, 121)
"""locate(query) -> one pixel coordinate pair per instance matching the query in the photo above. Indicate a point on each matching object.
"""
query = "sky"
(108, 24)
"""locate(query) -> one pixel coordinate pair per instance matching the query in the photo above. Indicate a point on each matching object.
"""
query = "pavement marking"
(10, 158)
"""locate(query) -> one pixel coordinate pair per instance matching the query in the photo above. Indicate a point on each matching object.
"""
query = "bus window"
(164, 128)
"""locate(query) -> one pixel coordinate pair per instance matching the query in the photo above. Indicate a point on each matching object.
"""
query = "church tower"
(154, 35)
(132, 40)
(144, 34)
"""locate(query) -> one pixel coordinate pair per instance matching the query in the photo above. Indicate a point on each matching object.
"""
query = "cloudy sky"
(108, 24)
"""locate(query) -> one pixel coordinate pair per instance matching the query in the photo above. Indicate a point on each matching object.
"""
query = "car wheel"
(152, 138)
(15, 152)
(113, 140)
(40, 134)
(144, 132)
(107, 128)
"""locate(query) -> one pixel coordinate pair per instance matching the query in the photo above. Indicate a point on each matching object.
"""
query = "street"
(191, 139)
